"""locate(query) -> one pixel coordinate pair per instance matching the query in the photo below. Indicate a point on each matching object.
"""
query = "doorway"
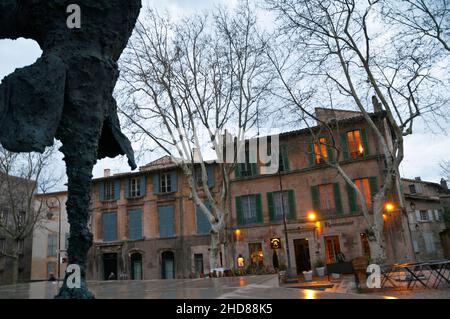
(198, 264)
(168, 265)
(302, 259)
(333, 249)
(136, 266)
(110, 266)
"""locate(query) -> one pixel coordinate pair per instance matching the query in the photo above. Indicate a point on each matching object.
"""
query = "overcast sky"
(424, 150)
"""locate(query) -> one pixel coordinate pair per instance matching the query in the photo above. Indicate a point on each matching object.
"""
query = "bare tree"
(421, 19)
(342, 50)
(187, 84)
(445, 167)
(22, 176)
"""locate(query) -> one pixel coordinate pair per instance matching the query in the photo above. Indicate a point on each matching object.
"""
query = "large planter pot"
(320, 271)
(307, 275)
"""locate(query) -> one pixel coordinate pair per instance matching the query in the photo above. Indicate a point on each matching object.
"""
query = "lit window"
(320, 151)
(135, 189)
(364, 187)
(165, 183)
(355, 146)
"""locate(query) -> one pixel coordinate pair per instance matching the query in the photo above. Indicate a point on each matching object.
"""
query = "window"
(165, 183)
(429, 243)
(20, 246)
(355, 145)
(326, 198)
(2, 245)
(256, 254)
(281, 204)
(364, 187)
(51, 268)
(424, 215)
(320, 151)
(109, 190)
(109, 226)
(333, 249)
(246, 169)
(412, 189)
(249, 209)
(52, 245)
(134, 225)
(134, 187)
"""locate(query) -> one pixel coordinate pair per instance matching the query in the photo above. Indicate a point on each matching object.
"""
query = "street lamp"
(59, 231)
(288, 254)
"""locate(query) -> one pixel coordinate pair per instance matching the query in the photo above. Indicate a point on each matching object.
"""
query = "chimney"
(376, 104)
(444, 183)
(418, 179)
(107, 172)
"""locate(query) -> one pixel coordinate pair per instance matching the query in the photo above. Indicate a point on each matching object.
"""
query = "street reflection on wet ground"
(249, 287)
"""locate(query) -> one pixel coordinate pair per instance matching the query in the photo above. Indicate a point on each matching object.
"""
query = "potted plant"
(320, 267)
(307, 275)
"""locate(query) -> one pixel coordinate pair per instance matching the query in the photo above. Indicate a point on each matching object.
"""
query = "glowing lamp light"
(312, 216)
(237, 232)
(389, 207)
(318, 225)
(384, 217)
(361, 149)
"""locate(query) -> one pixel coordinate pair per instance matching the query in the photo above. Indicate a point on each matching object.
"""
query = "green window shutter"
(337, 199)
(330, 151)
(292, 206)
(365, 141)
(310, 153)
(271, 206)
(237, 170)
(373, 184)
(239, 215)
(344, 145)
(285, 156)
(259, 214)
(315, 195)
(254, 169)
(351, 198)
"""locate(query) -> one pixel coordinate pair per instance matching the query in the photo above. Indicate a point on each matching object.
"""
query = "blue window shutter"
(116, 189)
(102, 191)
(211, 177)
(173, 180)
(155, 178)
(127, 188)
(109, 228)
(142, 185)
(134, 225)
(203, 224)
(166, 226)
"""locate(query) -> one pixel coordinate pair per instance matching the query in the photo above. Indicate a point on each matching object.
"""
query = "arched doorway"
(168, 265)
(136, 266)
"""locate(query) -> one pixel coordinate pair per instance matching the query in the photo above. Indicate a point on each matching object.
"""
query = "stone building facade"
(426, 204)
(146, 227)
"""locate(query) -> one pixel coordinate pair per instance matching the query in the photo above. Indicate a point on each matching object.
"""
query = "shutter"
(344, 145)
(364, 141)
(285, 156)
(134, 225)
(117, 189)
(292, 206)
(351, 198)
(102, 191)
(373, 184)
(173, 181)
(127, 188)
(330, 151)
(436, 215)
(254, 169)
(430, 215)
(310, 153)
(418, 215)
(211, 177)
(239, 215)
(155, 179)
(337, 199)
(203, 224)
(109, 226)
(237, 170)
(315, 195)
(259, 214)
(142, 185)
(165, 214)
(270, 206)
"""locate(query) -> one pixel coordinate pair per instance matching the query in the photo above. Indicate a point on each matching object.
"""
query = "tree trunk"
(15, 266)
(213, 252)
(376, 234)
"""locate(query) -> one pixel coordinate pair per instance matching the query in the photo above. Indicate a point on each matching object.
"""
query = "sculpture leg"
(79, 184)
